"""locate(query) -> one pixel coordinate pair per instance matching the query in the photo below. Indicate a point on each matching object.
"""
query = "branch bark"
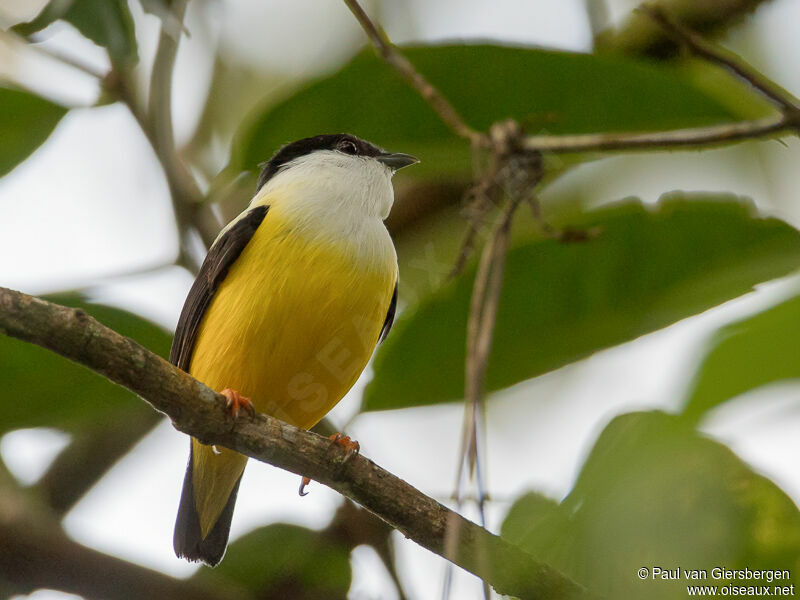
(415, 79)
(198, 411)
(727, 133)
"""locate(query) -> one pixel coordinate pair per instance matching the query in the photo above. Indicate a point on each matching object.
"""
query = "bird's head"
(335, 167)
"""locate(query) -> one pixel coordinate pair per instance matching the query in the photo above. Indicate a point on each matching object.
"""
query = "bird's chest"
(298, 309)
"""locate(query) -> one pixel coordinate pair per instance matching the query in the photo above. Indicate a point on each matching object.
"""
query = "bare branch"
(155, 122)
(714, 54)
(663, 140)
(401, 64)
(200, 412)
(160, 103)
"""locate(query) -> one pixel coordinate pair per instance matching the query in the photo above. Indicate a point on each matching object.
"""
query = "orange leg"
(351, 446)
(236, 402)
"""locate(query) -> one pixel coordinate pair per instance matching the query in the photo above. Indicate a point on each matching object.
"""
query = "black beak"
(397, 160)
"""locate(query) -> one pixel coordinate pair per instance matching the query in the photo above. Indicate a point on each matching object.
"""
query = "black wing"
(387, 323)
(215, 267)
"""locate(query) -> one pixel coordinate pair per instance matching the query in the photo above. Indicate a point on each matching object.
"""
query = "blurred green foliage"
(746, 355)
(41, 389)
(291, 561)
(26, 121)
(655, 493)
(108, 23)
(645, 268)
(545, 90)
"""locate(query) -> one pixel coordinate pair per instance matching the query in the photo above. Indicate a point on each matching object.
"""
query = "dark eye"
(348, 147)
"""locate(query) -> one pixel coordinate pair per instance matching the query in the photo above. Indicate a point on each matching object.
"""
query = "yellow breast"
(297, 318)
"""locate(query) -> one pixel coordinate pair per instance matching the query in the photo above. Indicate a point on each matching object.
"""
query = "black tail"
(188, 540)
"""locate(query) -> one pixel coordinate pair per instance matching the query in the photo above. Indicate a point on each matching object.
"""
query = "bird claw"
(235, 402)
(303, 483)
(352, 447)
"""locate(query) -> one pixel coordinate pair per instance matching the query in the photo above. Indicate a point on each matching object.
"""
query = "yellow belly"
(291, 327)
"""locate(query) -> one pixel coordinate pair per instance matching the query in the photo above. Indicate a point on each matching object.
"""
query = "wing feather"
(389, 320)
(220, 258)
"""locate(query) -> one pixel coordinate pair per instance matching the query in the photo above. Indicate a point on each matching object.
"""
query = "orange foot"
(345, 442)
(351, 446)
(236, 402)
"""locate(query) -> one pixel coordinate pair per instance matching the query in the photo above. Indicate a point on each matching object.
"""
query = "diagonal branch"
(401, 64)
(200, 412)
(155, 121)
(715, 54)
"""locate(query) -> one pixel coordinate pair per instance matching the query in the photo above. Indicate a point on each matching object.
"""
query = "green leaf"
(26, 121)
(107, 23)
(286, 561)
(557, 92)
(42, 389)
(655, 493)
(748, 354)
(52, 11)
(647, 268)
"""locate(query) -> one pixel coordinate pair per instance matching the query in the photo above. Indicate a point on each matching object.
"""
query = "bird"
(289, 304)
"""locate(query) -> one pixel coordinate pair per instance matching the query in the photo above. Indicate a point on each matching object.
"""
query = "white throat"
(331, 185)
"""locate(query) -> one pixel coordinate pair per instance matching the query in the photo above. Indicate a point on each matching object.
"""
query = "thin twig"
(159, 107)
(200, 412)
(714, 54)
(186, 197)
(477, 208)
(387, 50)
(155, 122)
(660, 140)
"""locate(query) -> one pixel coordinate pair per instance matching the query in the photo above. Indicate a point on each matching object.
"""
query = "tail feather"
(188, 540)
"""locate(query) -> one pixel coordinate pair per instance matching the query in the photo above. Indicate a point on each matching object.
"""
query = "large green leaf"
(655, 493)
(647, 268)
(107, 23)
(41, 389)
(557, 92)
(746, 355)
(286, 561)
(26, 120)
